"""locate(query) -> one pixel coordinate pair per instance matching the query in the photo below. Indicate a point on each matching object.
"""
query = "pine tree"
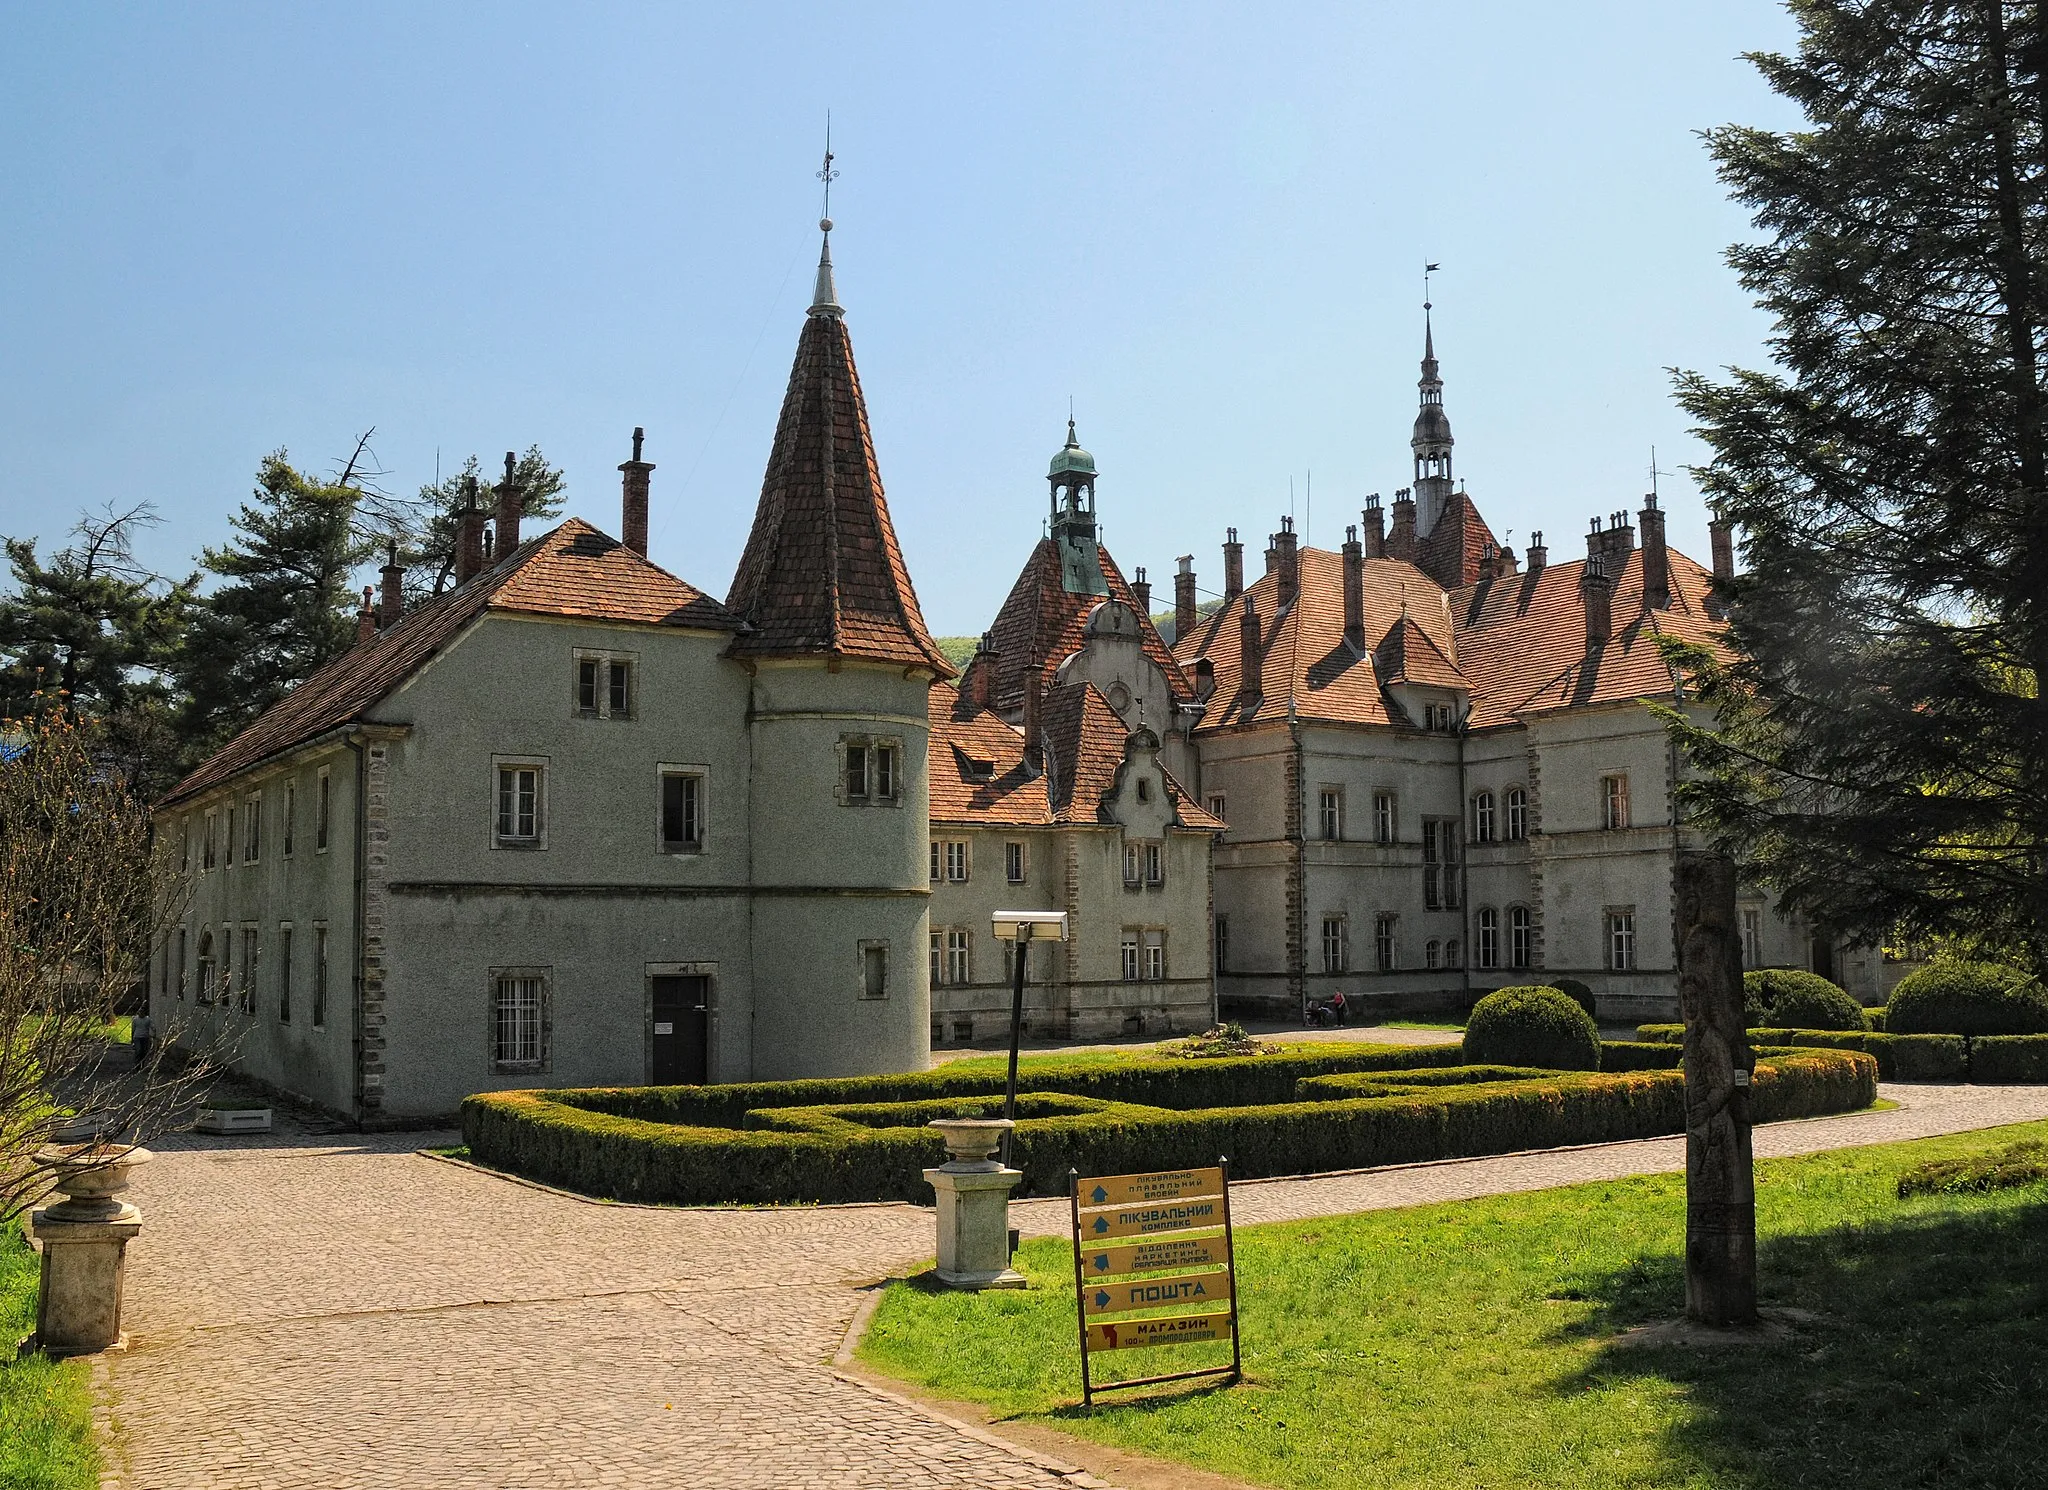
(1882, 745)
(429, 553)
(287, 606)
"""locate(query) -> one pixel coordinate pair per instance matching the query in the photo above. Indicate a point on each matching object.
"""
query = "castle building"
(577, 822)
(1436, 764)
(1056, 771)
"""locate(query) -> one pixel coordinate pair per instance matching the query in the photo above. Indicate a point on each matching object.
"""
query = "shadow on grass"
(1924, 1361)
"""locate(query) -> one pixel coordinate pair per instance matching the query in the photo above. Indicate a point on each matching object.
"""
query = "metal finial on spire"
(825, 298)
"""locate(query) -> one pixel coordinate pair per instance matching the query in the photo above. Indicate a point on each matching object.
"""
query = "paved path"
(343, 1312)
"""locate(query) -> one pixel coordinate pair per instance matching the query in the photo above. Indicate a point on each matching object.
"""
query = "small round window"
(1119, 697)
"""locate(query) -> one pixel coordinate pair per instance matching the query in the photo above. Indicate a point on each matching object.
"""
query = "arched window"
(1451, 952)
(1518, 814)
(1482, 818)
(1489, 936)
(206, 967)
(1432, 953)
(1521, 939)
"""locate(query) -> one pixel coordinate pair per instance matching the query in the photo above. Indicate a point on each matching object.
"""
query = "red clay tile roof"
(978, 776)
(573, 571)
(1042, 622)
(1407, 655)
(822, 573)
(1456, 547)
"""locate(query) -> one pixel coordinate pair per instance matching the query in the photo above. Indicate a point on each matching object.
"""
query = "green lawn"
(1474, 1344)
(46, 1438)
(1423, 1024)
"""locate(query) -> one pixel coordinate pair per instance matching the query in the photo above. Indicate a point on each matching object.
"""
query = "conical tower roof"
(822, 574)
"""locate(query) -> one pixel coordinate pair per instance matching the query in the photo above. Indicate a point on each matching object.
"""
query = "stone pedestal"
(974, 1205)
(85, 1241)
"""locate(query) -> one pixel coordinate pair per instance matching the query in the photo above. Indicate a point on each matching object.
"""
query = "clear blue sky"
(231, 228)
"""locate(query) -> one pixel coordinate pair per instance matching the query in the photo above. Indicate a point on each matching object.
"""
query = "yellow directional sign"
(1178, 1329)
(1151, 1257)
(1144, 1220)
(1165, 1184)
(1120, 1295)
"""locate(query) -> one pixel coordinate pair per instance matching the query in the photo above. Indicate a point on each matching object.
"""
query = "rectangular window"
(1752, 936)
(228, 838)
(1015, 863)
(1383, 824)
(1331, 813)
(959, 956)
(1621, 940)
(519, 805)
(885, 773)
(519, 1018)
(938, 861)
(206, 840)
(183, 949)
(857, 774)
(619, 688)
(1614, 797)
(1222, 944)
(604, 685)
(1155, 864)
(206, 966)
(956, 861)
(870, 771)
(227, 967)
(588, 698)
(250, 944)
(1383, 943)
(1155, 956)
(1127, 947)
(319, 976)
(1521, 936)
(1134, 866)
(1440, 863)
(937, 954)
(320, 812)
(1489, 937)
(252, 828)
(1336, 949)
(185, 844)
(284, 972)
(1218, 806)
(874, 970)
(291, 813)
(682, 812)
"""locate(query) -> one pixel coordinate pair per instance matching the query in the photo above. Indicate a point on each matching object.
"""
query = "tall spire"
(1431, 440)
(825, 298)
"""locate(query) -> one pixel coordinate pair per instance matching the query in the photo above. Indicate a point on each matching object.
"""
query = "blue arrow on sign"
(1101, 1298)
(1101, 1225)
(1100, 1195)
(1101, 1262)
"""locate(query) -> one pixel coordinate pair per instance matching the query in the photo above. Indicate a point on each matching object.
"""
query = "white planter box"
(233, 1120)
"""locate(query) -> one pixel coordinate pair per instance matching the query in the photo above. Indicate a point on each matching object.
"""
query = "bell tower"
(1432, 440)
(1072, 478)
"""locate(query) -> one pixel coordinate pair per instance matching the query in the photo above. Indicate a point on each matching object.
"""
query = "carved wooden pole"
(1720, 1177)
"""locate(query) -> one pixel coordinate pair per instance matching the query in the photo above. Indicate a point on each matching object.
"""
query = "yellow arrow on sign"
(1151, 1257)
(1178, 1329)
(1123, 1294)
(1145, 1220)
(1164, 1184)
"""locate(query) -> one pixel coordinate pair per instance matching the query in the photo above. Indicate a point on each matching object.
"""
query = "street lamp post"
(1023, 928)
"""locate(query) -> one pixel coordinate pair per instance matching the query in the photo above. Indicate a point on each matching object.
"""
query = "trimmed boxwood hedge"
(2009, 1059)
(569, 1138)
(1532, 1026)
(1967, 998)
(1899, 1057)
(1788, 998)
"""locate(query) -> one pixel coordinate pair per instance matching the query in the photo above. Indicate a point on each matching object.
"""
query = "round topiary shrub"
(1967, 998)
(1785, 998)
(1532, 1027)
(1579, 994)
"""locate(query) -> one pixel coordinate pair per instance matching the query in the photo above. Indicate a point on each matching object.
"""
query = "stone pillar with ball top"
(973, 1191)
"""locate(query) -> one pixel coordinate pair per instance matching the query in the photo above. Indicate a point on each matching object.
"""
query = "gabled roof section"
(573, 571)
(979, 779)
(1522, 639)
(1040, 620)
(1307, 668)
(1455, 551)
(1407, 655)
(822, 574)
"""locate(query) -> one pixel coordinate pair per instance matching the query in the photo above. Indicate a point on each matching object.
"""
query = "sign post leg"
(1080, 1306)
(1230, 1257)
(1023, 945)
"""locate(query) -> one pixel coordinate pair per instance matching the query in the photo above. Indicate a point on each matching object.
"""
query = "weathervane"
(1654, 472)
(1427, 270)
(828, 176)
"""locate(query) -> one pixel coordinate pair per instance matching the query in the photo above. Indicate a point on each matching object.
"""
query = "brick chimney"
(469, 534)
(1251, 638)
(1184, 598)
(981, 674)
(507, 535)
(1233, 567)
(391, 603)
(1539, 553)
(1141, 587)
(1722, 536)
(366, 619)
(1598, 592)
(1401, 542)
(1288, 563)
(1375, 528)
(633, 499)
(1656, 558)
(1354, 590)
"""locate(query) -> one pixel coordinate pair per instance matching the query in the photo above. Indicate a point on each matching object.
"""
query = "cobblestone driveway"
(341, 1313)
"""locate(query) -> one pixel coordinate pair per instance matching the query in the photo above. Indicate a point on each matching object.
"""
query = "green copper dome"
(1073, 457)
